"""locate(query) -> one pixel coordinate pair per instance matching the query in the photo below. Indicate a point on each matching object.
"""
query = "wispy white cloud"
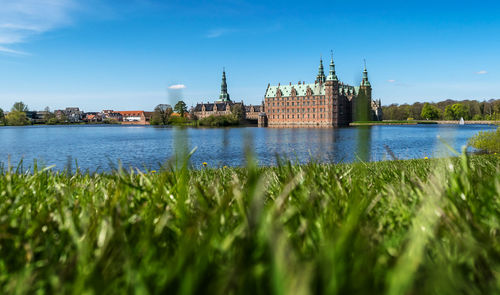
(177, 86)
(20, 20)
(6, 50)
(483, 72)
(215, 33)
(391, 81)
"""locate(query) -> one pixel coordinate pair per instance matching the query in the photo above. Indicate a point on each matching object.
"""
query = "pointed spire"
(365, 81)
(224, 96)
(321, 72)
(332, 76)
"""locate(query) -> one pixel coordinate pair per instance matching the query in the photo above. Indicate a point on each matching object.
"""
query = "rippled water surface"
(100, 148)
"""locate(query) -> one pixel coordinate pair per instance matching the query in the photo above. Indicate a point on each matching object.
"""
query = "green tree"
(237, 111)
(180, 108)
(161, 115)
(362, 107)
(429, 112)
(2, 118)
(17, 118)
(48, 116)
(192, 115)
(460, 111)
(19, 107)
(448, 113)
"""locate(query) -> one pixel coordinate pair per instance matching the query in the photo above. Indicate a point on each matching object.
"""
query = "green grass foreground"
(395, 227)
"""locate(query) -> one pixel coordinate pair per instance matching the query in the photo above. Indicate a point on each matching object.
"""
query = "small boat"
(462, 122)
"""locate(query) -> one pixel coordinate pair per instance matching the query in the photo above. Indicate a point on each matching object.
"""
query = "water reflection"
(96, 147)
(364, 146)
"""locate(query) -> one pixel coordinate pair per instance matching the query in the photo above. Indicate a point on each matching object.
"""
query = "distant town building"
(72, 115)
(111, 115)
(93, 117)
(135, 117)
(326, 102)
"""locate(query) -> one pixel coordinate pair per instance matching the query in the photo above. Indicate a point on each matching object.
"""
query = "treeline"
(444, 110)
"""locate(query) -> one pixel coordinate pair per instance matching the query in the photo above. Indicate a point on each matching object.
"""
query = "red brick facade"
(330, 108)
(325, 103)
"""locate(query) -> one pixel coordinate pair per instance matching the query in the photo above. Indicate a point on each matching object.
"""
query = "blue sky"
(124, 55)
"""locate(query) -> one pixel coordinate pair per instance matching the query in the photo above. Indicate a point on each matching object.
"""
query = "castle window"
(314, 116)
(293, 117)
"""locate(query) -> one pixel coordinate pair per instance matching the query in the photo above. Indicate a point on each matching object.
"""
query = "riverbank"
(376, 123)
(310, 228)
(482, 122)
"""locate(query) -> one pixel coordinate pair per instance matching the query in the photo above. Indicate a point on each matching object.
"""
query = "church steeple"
(365, 81)
(332, 76)
(321, 72)
(224, 96)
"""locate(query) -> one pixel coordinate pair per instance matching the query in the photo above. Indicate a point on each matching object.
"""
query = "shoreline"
(447, 122)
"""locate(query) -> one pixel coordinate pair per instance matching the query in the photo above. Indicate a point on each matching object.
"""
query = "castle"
(326, 102)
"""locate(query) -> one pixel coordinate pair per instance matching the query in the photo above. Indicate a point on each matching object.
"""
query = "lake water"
(101, 147)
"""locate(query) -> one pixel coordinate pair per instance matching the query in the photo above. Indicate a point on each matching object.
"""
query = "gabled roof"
(301, 89)
(256, 108)
(221, 107)
(286, 90)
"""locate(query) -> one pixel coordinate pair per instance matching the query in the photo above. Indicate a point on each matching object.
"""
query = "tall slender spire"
(332, 76)
(365, 81)
(321, 72)
(224, 96)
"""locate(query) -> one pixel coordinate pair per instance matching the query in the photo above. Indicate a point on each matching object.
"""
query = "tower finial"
(321, 73)
(332, 76)
(365, 81)
(224, 96)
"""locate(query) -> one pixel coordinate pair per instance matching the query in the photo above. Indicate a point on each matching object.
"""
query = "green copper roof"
(286, 90)
(224, 96)
(332, 76)
(316, 88)
(321, 73)
(365, 81)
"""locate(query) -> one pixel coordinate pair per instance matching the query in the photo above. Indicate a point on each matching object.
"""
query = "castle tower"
(332, 95)
(224, 96)
(320, 78)
(365, 85)
(363, 101)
